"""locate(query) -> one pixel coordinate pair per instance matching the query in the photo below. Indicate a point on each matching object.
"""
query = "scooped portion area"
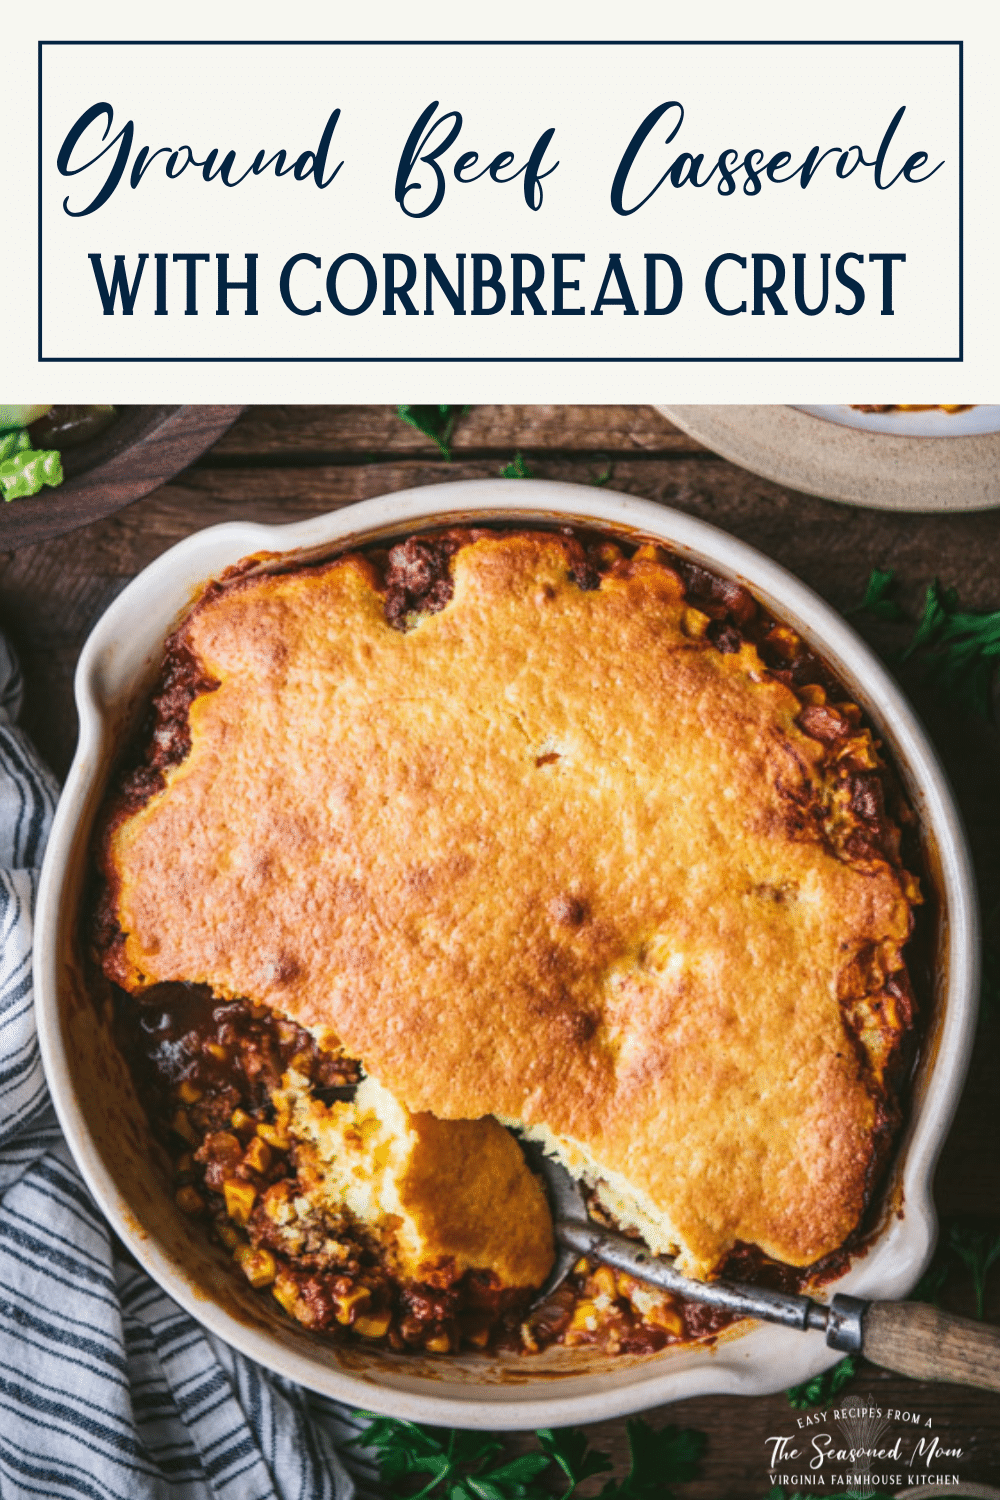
(357, 1216)
(441, 1197)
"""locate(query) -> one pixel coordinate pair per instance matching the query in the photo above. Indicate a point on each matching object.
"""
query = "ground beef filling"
(206, 1073)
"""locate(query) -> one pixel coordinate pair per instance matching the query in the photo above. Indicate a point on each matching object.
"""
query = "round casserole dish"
(105, 1125)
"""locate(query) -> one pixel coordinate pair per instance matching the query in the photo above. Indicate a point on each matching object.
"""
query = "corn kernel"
(439, 1344)
(187, 1092)
(349, 1302)
(584, 1319)
(287, 1293)
(275, 1135)
(182, 1126)
(582, 1267)
(258, 1155)
(240, 1120)
(665, 1316)
(695, 623)
(372, 1325)
(217, 1051)
(189, 1201)
(602, 1283)
(813, 694)
(239, 1198)
(258, 1266)
(227, 1234)
(783, 639)
(476, 1330)
(301, 1062)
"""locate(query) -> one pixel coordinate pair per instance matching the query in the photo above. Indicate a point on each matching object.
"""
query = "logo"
(862, 1449)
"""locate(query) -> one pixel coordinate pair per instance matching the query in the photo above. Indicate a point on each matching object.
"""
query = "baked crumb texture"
(549, 830)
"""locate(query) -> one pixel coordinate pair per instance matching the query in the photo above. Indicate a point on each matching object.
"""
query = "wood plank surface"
(301, 432)
(280, 464)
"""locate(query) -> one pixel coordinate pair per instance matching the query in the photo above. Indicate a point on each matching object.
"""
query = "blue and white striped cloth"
(107, 1389)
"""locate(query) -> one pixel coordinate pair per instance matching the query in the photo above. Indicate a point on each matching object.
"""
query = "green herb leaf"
(459, 1463)
(26, 470)
(881, 583)
(570, 1449)
(473, 1448)
(958, 649)
(516, 469)
(526, 1467)
(822, 1389)
(962, 1247)
(978, 1250)
(435, 422)
(778, 1492)
(659, 1459)
(932, 1283)
(604, 476)
(938, 604)
(404, 1449)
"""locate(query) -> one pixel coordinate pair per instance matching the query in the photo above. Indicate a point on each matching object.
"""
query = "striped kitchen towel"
(107, 1389)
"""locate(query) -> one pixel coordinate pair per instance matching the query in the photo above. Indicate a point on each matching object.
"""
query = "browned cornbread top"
(549, 855)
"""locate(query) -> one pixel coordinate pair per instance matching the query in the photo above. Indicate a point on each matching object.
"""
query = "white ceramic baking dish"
(106, 1129)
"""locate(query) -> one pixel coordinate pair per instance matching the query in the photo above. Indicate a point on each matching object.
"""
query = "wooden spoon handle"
(927, 1344)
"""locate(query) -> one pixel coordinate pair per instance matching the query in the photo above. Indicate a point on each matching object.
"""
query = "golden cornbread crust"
(561, 851)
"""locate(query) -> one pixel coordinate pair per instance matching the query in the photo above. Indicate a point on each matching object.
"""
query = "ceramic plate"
(895, 470)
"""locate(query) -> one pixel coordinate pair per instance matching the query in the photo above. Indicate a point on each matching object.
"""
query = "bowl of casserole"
(913, 421)
(411, 791)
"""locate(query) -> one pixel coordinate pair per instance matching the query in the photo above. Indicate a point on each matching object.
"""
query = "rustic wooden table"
(286, 463)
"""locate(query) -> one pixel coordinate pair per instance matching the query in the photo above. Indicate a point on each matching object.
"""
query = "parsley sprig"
(435, 422)
(779, 1493)
(464, 1465)
(573, 1456)
(966, 1247)
(959, 648)
(956, 649)
(978, 1250)
(517, 468)
(877, 601)
(823, 1389)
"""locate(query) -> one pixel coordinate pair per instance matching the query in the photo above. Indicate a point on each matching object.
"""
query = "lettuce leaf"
(13, 442)
(23, 469)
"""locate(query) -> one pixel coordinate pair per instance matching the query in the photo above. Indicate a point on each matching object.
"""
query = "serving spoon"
(910, 1338)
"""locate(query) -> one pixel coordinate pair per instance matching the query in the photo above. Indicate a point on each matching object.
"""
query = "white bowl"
(107, 1131)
